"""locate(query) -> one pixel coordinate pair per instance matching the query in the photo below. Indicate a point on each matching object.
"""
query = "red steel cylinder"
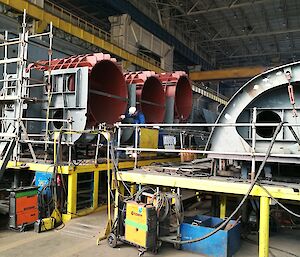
(149, 93)
(178, 86)
(107, 88)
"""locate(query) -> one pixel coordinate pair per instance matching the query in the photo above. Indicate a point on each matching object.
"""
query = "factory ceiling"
(236, 32)
(230, 32)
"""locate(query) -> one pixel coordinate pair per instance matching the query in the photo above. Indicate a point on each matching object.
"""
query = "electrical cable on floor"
(165, 239)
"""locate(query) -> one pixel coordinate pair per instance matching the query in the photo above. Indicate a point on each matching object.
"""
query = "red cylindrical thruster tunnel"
(178, 86)
(149, 93)
(107, 88)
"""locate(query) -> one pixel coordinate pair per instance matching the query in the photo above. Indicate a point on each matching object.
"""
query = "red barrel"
(107, 88)
(149, 93)
(178, 86)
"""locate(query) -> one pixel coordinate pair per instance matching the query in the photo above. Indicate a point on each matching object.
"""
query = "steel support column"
(72, 193)
(223, 203)
(96, 189)
(264, 226)
(133, 189)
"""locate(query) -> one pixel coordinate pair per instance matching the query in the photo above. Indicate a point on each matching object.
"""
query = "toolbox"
(224, 243)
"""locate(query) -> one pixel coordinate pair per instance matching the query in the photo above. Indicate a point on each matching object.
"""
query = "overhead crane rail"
(229, 73)
(82, 29)
(199, 88)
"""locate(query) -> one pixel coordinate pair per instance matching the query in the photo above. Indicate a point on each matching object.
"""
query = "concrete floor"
(78, 239)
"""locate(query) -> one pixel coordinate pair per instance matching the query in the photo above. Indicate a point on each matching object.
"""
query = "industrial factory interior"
(149, 128)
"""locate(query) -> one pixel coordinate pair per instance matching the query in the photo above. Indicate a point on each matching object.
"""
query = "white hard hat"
(131, 110)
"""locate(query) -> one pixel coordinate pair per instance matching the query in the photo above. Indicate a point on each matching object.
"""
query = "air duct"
(179, 96)
(107, 98)
(149, 94)
(86, 89)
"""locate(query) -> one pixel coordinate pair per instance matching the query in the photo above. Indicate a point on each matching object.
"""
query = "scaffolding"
(15, 95)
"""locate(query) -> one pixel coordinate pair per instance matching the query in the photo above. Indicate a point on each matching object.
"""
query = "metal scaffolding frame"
(15, 90)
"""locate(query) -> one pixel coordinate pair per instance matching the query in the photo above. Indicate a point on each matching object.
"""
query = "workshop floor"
(78, 239)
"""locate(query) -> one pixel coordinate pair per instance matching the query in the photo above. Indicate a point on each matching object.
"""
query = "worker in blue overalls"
(138, 116)
(133, 116)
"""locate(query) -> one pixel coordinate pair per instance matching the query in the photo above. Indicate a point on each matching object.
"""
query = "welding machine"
(144, 220)
(139, 227)
(23, 207)
(141, 224)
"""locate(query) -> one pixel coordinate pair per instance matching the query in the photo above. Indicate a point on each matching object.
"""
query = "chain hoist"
(291, 92)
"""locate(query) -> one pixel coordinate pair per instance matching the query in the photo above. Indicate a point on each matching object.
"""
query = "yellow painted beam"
(206, 184)
(40, 26)
(65, 169)
(223, 201)
(230, 73)
(96, 189)
(264, 226)
(72, 194)
(40, 14)
(133, 189)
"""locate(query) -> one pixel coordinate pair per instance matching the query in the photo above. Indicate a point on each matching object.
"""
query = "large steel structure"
(267, 99)
(81, 88)
(92, 35)
(149, 93)
(164, 97)
(178, 95)
(52, 120)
